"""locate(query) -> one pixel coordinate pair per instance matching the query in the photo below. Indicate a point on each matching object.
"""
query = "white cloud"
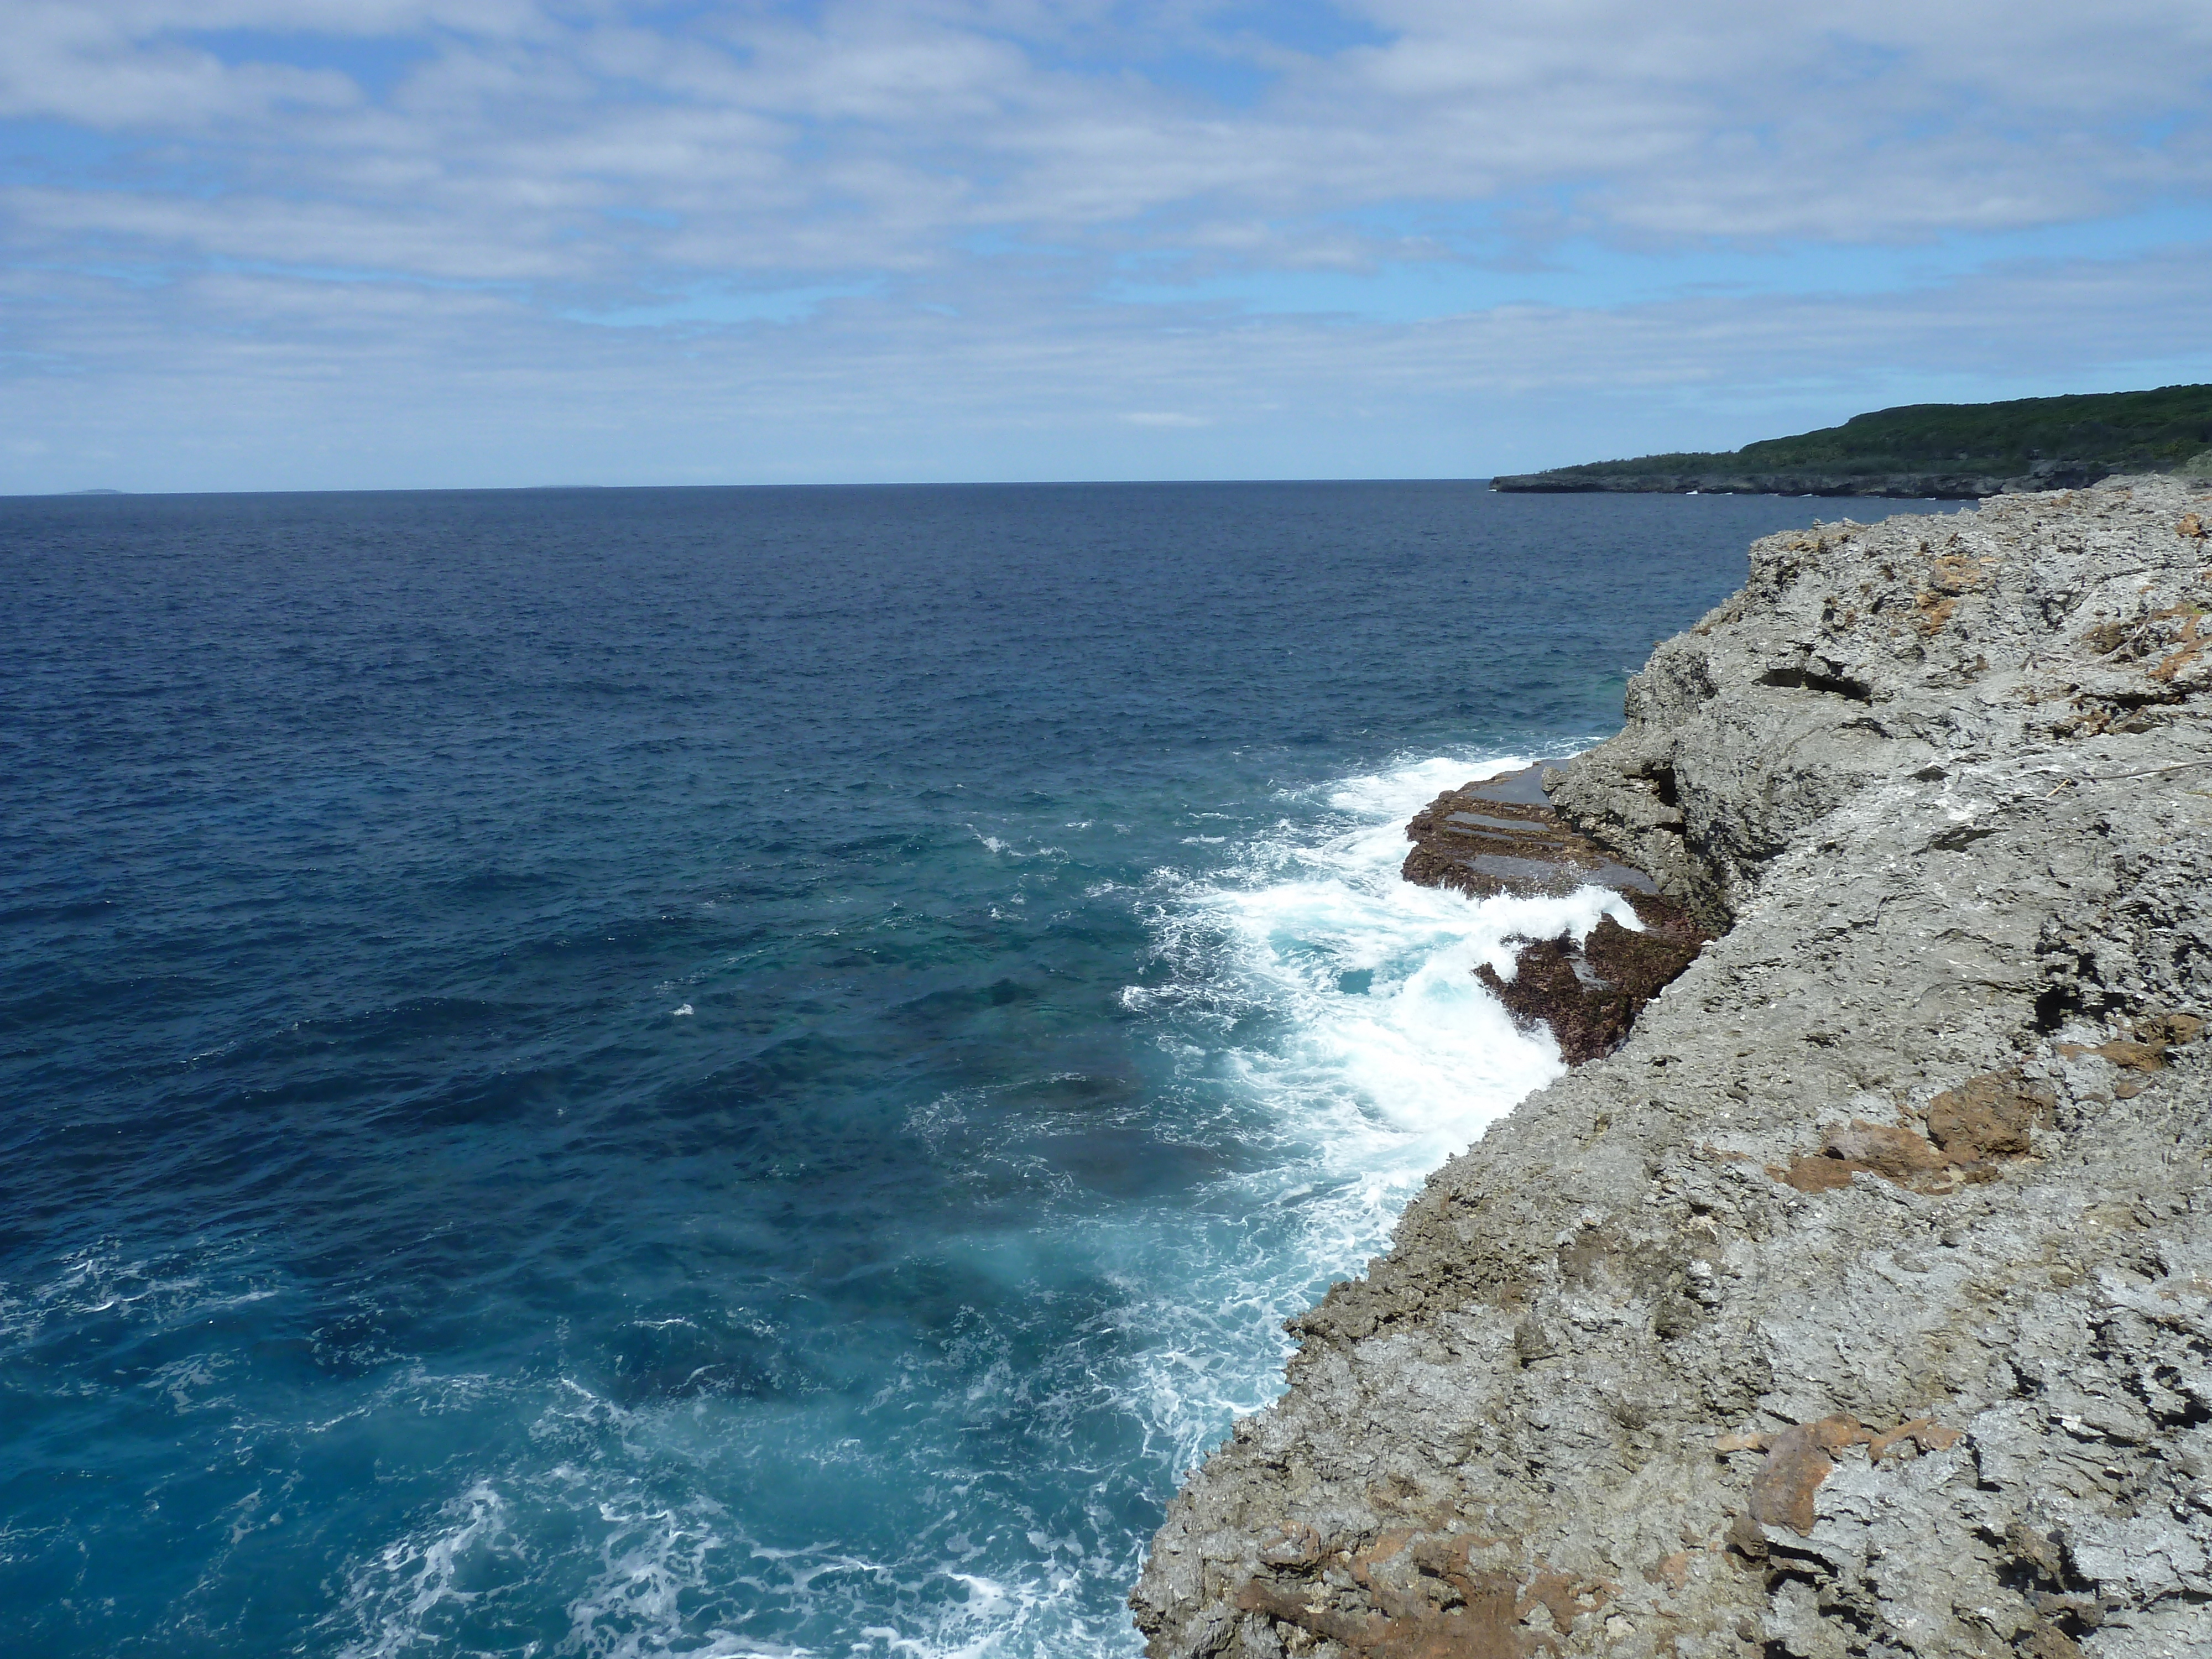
(478, 170)
(238, 379)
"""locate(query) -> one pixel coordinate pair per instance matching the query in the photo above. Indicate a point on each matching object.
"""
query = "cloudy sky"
(326, 243)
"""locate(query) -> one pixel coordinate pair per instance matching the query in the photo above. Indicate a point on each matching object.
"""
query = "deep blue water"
(727, 1072)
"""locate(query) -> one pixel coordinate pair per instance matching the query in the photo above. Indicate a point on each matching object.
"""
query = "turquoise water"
(729, 1071)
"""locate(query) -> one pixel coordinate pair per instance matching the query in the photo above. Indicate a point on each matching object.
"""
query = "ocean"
(731, 1071)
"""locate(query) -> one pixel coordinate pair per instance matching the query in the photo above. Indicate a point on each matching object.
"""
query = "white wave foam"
(1343, 1010)
(1391, 1033)
(410, 1593)
(998, 848)
(1395, 793)
(175, 1287)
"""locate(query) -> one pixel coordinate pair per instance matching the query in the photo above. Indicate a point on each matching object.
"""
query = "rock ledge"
(1861, 1303)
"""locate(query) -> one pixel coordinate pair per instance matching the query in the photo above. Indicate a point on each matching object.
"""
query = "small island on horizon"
(1955, 452)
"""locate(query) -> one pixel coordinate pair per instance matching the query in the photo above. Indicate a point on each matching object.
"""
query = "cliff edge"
(1861, 1303)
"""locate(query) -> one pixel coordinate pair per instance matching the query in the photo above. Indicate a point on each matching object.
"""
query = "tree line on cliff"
(2100, 434)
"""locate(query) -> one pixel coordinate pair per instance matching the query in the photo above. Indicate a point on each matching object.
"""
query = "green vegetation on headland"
(1960, 451)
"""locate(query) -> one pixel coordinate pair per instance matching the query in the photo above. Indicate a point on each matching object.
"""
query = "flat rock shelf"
(1499, 836)
(1856, 1297)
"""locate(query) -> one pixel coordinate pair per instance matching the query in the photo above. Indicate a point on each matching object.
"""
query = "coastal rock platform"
(1860, 1302)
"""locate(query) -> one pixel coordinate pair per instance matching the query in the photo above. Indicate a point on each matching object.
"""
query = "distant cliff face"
(1954, 452)
(1896, 486)
(1862, 1303)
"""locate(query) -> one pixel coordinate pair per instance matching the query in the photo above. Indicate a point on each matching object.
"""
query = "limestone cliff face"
(1862, 1302)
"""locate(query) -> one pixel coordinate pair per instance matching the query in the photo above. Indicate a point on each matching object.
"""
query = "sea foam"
(1353, 1045)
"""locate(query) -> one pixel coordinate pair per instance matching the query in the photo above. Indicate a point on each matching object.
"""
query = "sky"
(333, 244)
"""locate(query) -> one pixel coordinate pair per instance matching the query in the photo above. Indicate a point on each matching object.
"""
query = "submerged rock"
(1859, 1302)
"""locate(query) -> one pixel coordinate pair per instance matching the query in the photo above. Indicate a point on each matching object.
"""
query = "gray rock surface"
(1862, 1303)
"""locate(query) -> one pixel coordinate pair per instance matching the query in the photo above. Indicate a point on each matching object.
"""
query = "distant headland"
(1959, 452)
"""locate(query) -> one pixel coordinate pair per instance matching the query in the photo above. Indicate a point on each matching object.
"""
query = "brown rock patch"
(1796, 1463)
(1932, 609)
(1954, 573)
(1984, 1118)
(1895, 1154)
(2143, 1049)
(1424, 1600)
(2174, 1029)
(1801, 1457)
(1924, 1433)
(1989, 1116)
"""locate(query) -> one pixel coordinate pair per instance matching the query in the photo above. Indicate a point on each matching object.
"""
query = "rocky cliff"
(1861, 1303)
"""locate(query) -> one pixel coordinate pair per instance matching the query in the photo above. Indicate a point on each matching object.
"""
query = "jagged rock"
(1947, 786)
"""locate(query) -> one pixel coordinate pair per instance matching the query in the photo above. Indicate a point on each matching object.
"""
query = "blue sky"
(399, 243)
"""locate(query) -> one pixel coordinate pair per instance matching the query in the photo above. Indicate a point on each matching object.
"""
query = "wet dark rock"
(1499, 836)
(1590, 995)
